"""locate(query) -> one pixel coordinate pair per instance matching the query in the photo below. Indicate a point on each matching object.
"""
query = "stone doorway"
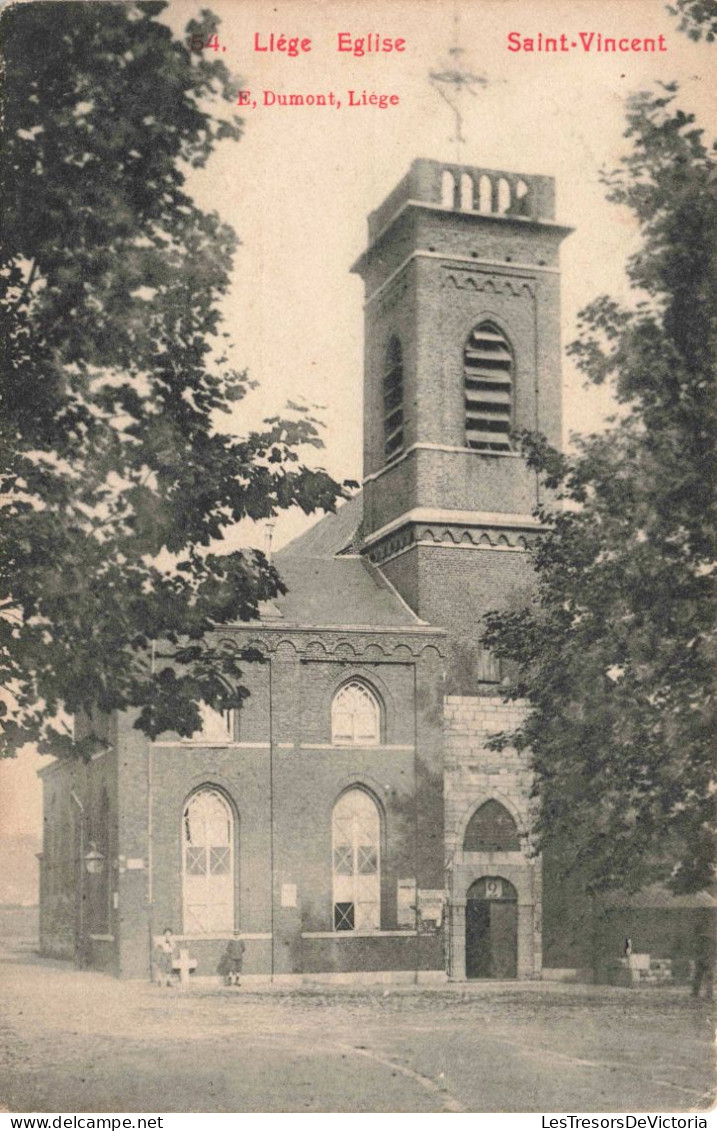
(491, 929)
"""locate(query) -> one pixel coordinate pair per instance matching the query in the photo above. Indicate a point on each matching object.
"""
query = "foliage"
(697, 18)
(615, 653)
(115, 375)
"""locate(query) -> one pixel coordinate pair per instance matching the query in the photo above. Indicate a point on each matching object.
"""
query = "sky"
(299, 184)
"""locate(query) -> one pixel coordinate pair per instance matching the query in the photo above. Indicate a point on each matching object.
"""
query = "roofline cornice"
(552, 226)
(357, 629)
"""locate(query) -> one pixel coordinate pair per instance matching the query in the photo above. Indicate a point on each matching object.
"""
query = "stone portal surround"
(474, 774)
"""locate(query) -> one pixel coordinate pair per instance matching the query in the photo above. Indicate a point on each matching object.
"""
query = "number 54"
(197, 42)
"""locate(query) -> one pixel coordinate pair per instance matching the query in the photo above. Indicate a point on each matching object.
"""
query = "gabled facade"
(351, 821)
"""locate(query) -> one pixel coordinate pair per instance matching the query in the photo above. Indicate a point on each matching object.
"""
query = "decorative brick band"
(454, 537)
(475, 279)
(398, 643)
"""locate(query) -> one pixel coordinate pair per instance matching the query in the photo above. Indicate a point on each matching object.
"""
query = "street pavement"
(79, 1041)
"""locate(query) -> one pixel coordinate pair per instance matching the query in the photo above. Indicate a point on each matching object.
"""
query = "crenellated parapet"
(468, 188)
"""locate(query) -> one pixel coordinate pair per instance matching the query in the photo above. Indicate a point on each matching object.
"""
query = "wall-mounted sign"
(288, 895)
(430, 906)
(494, 889)
(406, 916)
(134, 865)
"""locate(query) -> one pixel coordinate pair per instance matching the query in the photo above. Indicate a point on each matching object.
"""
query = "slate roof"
(328, 584)
(330, 535)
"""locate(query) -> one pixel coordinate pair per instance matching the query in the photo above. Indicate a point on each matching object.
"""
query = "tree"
(115, 375)
(615, 653)
(697, 18)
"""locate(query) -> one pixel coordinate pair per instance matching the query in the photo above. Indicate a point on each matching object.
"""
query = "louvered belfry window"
(488, 374)
(393, 400)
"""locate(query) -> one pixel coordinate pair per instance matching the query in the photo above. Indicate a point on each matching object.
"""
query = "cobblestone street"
(77, 1041)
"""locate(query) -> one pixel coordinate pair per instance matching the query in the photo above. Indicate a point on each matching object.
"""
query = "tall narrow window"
(355, 716)
(208, 864)
(356, 843)
(393, 400)
(488, 375)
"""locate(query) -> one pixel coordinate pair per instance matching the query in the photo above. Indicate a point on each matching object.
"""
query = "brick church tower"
(462, 336)
(462, 347)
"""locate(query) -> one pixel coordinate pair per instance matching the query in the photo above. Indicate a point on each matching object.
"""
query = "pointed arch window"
(491, 829)
(488, 372)
(208, 863)
(356, 848)
(393, 400)
(355, 716)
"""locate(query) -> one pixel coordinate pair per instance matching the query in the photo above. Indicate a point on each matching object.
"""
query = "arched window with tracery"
(356, 848)
(491, 829)
(208, 846)
(355, 716)
(393, 400)
(488, 373)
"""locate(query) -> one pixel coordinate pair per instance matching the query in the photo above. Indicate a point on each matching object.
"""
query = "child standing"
(232, 961)
(163, 955)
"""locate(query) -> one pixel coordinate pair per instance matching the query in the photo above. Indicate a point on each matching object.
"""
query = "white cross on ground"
(184, 964)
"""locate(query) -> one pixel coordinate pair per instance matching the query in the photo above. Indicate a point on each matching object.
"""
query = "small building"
(351, 820)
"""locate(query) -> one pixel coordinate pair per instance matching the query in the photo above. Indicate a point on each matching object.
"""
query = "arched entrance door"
(491, 929)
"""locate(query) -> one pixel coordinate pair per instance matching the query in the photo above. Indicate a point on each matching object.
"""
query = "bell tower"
(462, 348)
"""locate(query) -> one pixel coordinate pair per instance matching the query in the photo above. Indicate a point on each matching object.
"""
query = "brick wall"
(58, 901)
(80, 812)
(454, 587)
(282, 778)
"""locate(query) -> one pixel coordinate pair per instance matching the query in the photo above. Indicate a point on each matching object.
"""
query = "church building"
(350, 821)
